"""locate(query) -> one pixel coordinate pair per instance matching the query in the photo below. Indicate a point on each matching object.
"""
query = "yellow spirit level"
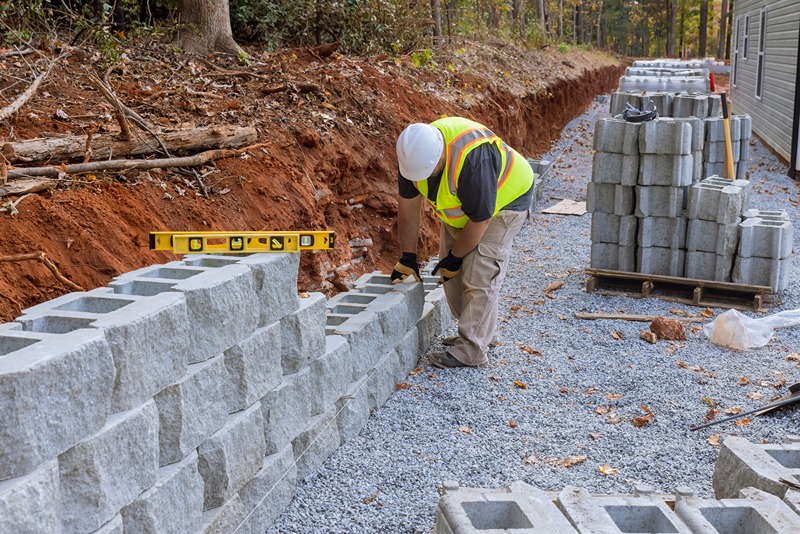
(244, 242)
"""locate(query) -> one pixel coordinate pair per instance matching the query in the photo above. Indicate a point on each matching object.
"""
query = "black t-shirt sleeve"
(406, 187)
(477, 184)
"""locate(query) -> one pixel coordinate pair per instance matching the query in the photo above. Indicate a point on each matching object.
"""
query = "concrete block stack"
(741, 129)
(765, 249)
(191, 396)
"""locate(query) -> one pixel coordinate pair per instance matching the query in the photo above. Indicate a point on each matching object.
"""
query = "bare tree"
(541, 16)
(206, 27)
(436, 10)
(701, 52)
(723, 31)
(672, 6)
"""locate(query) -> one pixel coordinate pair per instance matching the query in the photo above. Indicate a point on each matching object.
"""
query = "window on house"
(762, 44)
(746, 35)
(735, 62)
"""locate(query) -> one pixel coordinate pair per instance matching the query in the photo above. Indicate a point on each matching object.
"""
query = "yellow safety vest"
(460, 137)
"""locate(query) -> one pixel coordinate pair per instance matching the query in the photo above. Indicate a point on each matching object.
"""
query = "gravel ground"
(477, 427)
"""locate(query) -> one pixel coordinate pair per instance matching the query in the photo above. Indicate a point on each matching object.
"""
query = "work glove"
(407, 266)
(449, 267)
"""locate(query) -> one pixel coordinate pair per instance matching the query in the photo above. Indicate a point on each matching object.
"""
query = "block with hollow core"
(708, 266)
(617, 229)
(518, 508)
(658, 260)
(716, 151)
(715, 129)
(743, 464)
(687, 105)
(612, 514)
(711, 236)
(666, 232)
(613, 257)
(666, 170)
(744, 184)
(720, 203)
(755, 512)
(765, 238)
(659, 201)
(620, 98)
(762, 272)
(665, 136)
(769, 215)
(698, 132)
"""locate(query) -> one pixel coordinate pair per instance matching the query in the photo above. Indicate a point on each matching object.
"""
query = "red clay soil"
(326, 159)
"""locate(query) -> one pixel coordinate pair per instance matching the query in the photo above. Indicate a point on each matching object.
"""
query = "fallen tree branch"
(126, 164)
(27, 94)
(21, 187)
(41, 258)
(300, 87)
(119, 112)
(23, 52)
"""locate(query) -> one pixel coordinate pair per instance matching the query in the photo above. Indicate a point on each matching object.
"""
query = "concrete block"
(303, 333)
(715, 152)
(755, 513)
(270, 491)
(708, 266)
(353, 410)
(762, 272)
(714, 105)
(148, 338)
(71, 375)
(619, 99)
(365, 337)
(666, 170)
(719, 203)
(613, 257)
(665, 136)
(765, 238)
(274, 280)
(663, 103)
(658, 201)
(109, 470)
(192, 409)
(697, 166)
(792, 499)
(114, 526)
(436, 318)
(744, 184)
(710, 236)
(609, 135)
(742, 464)
(658, 260)
(715, 129)
(408, 353)
(519, 508)
(173, 504)
(330, 374)
(286, 410)
(29, 503)
(221, 306)
(666, 232)
(225, 519)
(698, 132)
(232, 455)
(609, 198)
(383, 379)
(687, 105)
(617, 513)
(254, 366)
(313, 446)
(610, 228)
(768, 215)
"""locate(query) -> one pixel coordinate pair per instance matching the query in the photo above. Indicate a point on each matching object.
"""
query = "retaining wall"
(191, 396)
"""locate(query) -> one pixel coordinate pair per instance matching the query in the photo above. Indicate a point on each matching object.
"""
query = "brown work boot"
(443, 360)
(451, 340)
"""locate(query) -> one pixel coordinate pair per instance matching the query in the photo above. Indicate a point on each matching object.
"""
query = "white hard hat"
(419, 148)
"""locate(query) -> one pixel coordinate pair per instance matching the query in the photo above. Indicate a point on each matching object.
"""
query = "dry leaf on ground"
(602, 410)
(712, 413)
(465, 429)
(402, 385)
(555, 286)
(743, 381)
(415, 372)
(567, 462)
(595, 435)
(733, 411)
(531, 351)
(616, 334)
(707, 313)
(648, 336)
(713, 441)
(607, 470)
(755, 395)
(613, 396)
(743, 422)
(512, 423)
(676, 311)
(520, 385)
(794, 357)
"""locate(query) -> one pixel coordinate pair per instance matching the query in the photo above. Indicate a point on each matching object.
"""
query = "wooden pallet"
(676, 289)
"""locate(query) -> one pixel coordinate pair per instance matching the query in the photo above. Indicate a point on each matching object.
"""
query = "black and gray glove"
(407, 266)
(449, 267)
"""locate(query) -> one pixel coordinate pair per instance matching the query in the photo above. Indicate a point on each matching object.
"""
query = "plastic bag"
(738, 331)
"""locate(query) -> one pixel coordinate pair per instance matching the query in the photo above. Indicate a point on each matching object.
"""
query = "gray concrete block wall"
(205, 384)
(743, 464)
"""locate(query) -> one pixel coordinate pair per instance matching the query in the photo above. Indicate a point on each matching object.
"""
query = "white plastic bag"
(738, 331)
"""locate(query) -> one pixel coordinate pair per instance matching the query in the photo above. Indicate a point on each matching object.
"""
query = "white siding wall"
(774, 113)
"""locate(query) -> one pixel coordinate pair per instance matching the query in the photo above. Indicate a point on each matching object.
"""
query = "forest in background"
(638, 28)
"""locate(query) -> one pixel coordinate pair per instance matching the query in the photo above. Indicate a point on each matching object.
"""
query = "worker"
(481, 189)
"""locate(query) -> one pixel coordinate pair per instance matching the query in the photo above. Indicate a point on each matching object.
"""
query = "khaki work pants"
(473, 294)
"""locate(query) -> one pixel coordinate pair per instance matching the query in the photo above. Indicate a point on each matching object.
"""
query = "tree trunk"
(205, 27)
(541, 17)
(701, 49)
(560, 20)
(723, 31)
(105, 146)
(599, 20)
(673, 16)
(729, 33)
(436, 10)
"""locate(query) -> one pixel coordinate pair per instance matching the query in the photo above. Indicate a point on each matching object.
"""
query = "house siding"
(773, 114)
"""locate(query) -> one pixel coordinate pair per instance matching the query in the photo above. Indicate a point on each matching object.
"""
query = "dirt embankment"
(326, 159)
